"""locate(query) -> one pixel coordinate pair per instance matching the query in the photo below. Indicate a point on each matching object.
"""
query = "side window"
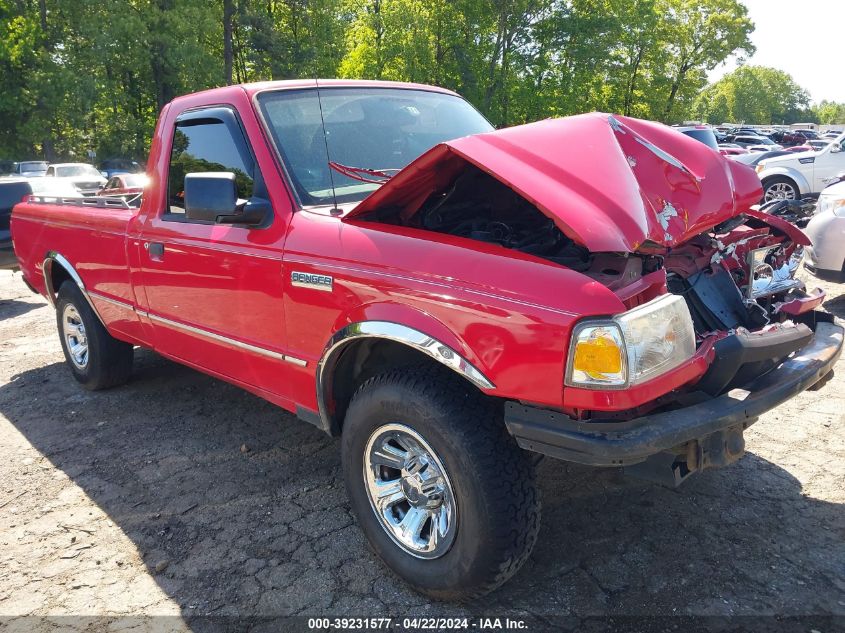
(207, 144)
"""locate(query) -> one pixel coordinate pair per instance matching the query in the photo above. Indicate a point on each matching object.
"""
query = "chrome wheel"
(409, 491)
(75, 339)
(780, 191)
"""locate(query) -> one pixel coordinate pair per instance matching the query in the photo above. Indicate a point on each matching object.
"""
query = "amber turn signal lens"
(598, 356)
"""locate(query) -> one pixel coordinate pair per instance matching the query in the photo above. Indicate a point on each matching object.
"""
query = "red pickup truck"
(447, 298)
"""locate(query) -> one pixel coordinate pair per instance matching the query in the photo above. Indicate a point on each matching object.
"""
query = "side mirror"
(835, 148)
(213, 197)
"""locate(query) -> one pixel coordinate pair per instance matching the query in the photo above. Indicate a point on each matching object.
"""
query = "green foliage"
(85, 75)
(830, 112)
(754, 94)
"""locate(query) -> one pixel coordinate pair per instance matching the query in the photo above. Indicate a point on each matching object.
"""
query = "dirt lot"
(178, 494)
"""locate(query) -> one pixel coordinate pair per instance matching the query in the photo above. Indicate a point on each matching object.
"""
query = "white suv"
(790, 177)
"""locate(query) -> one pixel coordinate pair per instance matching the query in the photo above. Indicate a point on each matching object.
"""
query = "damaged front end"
(714, 310)
(739, 284)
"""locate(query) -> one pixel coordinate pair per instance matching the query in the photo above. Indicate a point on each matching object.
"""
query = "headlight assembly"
(632, 347)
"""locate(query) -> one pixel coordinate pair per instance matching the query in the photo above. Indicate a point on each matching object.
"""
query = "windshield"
(33, 166)
(366, 129)
(71, 171)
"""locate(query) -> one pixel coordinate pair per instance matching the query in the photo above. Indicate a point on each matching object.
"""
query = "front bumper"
(626, 443)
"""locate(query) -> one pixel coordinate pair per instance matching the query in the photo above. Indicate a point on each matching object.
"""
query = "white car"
(756, 143)
(819, 144)
(826, 257)
(85, 178)
(795, 175)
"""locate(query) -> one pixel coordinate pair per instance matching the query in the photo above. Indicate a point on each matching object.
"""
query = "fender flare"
(395, 332)
(54, 258)
(790, 172)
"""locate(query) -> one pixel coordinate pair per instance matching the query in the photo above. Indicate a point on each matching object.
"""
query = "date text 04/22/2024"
(422, 624)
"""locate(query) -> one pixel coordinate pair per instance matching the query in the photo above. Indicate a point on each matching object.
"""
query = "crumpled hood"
(610, 183)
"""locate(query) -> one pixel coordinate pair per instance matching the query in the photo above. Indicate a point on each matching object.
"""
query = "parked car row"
(787, 171)
(63, 182)
(86, 179)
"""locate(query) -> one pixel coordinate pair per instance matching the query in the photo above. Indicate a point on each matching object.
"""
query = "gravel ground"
(180, 495)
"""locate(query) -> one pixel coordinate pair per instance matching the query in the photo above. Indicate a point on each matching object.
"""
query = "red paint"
(509, 314)
(800, 305)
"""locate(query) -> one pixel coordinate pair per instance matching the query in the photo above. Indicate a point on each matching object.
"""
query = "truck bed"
(88, 233)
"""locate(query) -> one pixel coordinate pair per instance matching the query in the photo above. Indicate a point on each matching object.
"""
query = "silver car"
(826, 257)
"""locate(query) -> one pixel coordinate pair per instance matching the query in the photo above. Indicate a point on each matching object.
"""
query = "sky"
(803, 38)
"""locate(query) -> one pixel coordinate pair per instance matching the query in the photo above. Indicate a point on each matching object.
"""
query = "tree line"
(92, 75)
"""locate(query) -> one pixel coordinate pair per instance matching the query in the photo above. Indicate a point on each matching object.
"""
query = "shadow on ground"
(269, 531)
(836, 305)
(10, 308)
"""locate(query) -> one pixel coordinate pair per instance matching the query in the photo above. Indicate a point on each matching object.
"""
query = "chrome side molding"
(224, 339)
(420, 341)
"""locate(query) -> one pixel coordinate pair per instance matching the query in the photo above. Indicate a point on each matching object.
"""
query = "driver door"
(214, 292)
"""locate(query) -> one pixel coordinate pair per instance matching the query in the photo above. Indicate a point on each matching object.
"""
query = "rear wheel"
(779, 188)
(96, 358)
(443, 493)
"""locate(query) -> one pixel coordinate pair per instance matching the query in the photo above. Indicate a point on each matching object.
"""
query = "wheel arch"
(56, 270)
(361, 349)
(794, 175)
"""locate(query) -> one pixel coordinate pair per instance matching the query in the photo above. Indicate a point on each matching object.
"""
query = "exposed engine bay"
(482, 208)
(740, 275)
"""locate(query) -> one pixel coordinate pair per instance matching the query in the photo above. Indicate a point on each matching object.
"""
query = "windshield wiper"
(372, 176)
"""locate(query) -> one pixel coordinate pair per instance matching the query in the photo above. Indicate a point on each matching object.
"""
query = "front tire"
(96, 359)
(441, 490)
(780, 188)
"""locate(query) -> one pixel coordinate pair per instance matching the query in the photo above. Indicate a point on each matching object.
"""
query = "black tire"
(782, 182)
(498, 510)
(108, 361)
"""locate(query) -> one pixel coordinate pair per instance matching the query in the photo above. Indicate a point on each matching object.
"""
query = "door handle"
(156, 250)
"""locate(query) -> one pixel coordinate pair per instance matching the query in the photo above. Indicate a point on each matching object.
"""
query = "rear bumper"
(625, 443)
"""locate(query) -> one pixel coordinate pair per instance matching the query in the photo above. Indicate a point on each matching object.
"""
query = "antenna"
(335, 210)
